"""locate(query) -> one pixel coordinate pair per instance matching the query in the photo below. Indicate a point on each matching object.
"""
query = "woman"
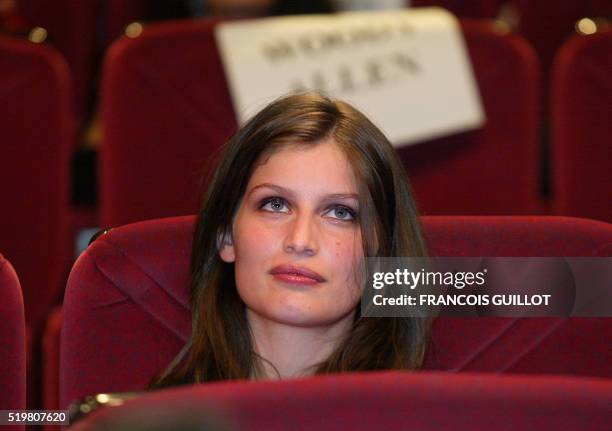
(304, 191)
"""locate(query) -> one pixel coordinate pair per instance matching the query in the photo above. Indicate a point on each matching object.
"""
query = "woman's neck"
(291, 351)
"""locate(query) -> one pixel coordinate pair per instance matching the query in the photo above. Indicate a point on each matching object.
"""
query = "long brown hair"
(221, 346)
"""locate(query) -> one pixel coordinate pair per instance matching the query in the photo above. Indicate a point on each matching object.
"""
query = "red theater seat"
(166, 110)
(35, 145)
(494, 169)
(581, 107)
(126, 310)
(510, 345)
(72, 29)
(547, 24)
(375, 401)
(12, 340)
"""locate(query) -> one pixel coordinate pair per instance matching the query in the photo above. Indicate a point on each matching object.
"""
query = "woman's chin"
(302, 315)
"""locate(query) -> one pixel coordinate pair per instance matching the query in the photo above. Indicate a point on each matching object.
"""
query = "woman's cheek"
(250, 237)
(345, 252)
(348, 244)
(250, 247)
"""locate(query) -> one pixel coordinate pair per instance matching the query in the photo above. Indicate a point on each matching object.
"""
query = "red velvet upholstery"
(581, 107)
(35, 143)
(380, 401)
(166, 109)
(12, 336)
(126, 312)
(494, 169)
(547, 24)
(72, 29)
(534, 345)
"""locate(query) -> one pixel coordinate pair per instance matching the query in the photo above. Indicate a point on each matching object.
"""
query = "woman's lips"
(296, 274)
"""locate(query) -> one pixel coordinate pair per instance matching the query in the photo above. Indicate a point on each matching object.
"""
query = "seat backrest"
(12, 334)
(35, 144)
(559, 19)
(581, 107)
(513, 345)
(72, 30)
(166, 110)
(493, 169)
(126, 310)
(371, 401)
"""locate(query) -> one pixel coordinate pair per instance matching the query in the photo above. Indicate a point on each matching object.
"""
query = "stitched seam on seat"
(140, 268)
(484, 347)
(538, 342)
(113, 303)
(147, 312)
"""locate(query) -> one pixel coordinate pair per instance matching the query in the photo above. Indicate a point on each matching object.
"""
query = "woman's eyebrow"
(279, 189)
(341, 196)
(290, 193)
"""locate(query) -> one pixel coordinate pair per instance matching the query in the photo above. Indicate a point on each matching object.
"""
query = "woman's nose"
(301, 236)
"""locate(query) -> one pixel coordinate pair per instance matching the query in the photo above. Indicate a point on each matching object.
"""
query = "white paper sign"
(408, 70)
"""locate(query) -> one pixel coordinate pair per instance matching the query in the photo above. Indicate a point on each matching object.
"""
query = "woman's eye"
(342, 213)
(276, 205)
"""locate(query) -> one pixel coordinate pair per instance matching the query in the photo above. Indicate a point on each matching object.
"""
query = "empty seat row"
(83, 29)
(154, 96)
(545, 24)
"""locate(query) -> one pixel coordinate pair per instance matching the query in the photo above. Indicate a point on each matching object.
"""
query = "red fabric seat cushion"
(373, 401)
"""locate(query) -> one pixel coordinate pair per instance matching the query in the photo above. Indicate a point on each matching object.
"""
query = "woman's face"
(296, 239)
